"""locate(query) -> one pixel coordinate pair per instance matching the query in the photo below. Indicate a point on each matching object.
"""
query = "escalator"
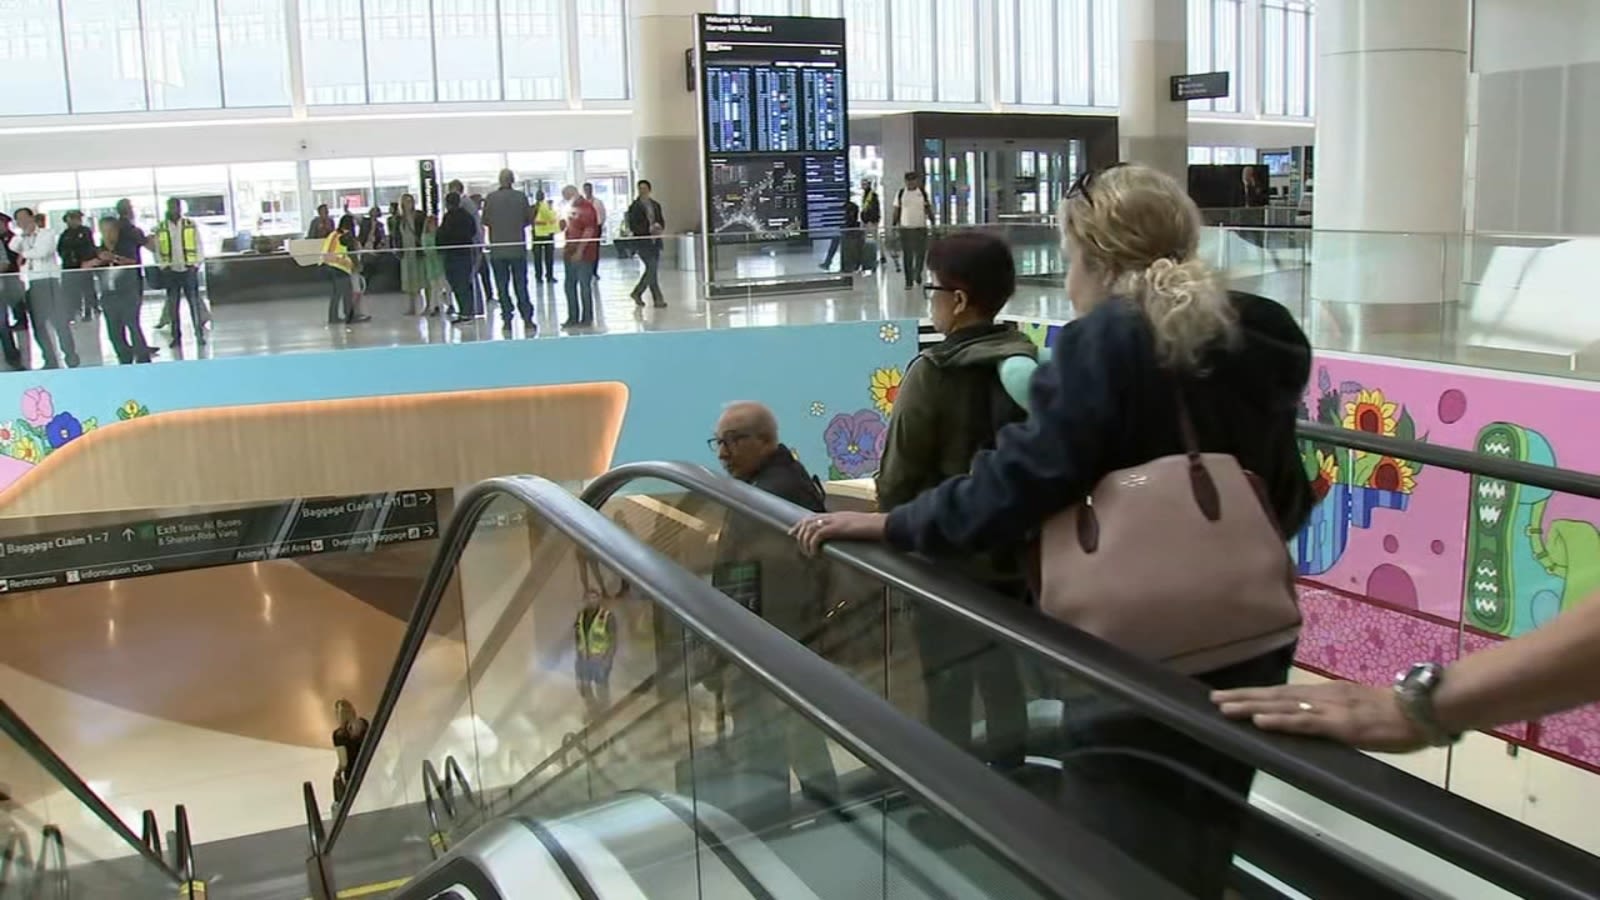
(698, 753)
(59, 840)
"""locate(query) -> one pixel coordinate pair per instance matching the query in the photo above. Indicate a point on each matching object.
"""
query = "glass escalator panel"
(596, 732)
(1193, 814)
(57, 841)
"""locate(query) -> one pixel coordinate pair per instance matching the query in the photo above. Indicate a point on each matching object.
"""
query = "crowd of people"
(479, 252)
(51, 279)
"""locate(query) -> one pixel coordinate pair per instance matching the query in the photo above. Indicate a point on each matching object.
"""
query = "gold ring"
(1306, 707)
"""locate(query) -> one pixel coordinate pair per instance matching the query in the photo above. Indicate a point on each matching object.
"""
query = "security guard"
(595, 636)
(177, 246)
(545, 225)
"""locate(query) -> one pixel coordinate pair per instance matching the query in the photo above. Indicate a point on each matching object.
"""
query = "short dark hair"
(645, 182)
(347, 221)
(110, 220)
(978, 263)
(452, 200)
(21, 210)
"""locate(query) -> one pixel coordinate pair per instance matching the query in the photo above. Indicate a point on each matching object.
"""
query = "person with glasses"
(761, 569)
(951, 405)
(1153, 324)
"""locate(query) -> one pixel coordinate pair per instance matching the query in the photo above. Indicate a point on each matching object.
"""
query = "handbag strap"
(1201, 485)
(1186, 429)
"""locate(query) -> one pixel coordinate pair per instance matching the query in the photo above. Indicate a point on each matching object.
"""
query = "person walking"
(120, 295)
(646, 224)
(581, 255)
(35, 247)
(457, 241)
(507, 213)
(871, 219)
(76, 246)
(546, 222)
(178, 253)
(473, 204)
(12, 295)
(406, 238)
(340, 268)
(913, 212)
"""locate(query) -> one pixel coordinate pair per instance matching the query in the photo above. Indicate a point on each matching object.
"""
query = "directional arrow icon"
(425, 498)
(127, 534)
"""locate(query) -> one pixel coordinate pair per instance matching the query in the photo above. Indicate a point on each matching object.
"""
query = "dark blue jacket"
(1104, 403)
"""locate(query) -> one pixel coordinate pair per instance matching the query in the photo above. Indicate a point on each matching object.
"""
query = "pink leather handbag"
(1177, 560)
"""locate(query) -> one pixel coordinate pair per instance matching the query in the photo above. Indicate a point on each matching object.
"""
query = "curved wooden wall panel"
(272, 451)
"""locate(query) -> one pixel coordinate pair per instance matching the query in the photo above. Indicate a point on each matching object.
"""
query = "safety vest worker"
(334, 253)
(190, 237)
(545, 221)
(594, 636)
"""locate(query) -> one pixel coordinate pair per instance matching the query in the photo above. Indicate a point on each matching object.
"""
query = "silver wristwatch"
(1414, 689)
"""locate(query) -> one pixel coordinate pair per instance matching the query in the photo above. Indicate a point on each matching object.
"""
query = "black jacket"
(457, 230)
(1104, 403)
(789, 589)
(76, 245)
(641, 215)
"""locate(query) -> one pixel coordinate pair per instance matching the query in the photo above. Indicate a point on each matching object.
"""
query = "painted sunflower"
(1371, 413)
(885, 387)
(1392, 474)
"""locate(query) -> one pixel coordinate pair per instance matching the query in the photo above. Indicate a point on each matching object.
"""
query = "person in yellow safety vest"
(176, 242)
(339, 266)
(595, 638)
(545, 225)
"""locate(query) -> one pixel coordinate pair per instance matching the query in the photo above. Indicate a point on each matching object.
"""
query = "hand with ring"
(1365, 717)
(814, 531)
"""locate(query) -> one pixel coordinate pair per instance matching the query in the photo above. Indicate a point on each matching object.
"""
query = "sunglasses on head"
(1081, 184)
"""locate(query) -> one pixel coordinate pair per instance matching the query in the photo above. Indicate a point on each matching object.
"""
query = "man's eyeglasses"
(725, 440)
(930, 289)
(1081, 184)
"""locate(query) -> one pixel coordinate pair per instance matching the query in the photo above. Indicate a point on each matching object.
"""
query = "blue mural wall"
(830, 385)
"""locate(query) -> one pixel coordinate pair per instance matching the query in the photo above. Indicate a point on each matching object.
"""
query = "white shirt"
(38, 252)
(913, 208)
(599, 210)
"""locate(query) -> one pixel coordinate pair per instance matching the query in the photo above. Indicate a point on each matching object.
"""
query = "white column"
(1389, 167)
(666, 137)
(1151, 128)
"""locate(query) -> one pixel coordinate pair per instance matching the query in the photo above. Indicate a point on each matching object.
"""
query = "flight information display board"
(774, 126)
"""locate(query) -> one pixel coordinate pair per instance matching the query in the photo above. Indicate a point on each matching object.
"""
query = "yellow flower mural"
(1391, 474)
(26, 448)
(1371, 413)
(885, 387)
(1327, 467)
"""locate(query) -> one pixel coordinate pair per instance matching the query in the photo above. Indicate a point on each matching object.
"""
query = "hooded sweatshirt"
(950, 406)
(1104, 402)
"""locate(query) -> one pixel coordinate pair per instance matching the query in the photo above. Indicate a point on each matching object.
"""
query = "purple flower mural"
(855, 443)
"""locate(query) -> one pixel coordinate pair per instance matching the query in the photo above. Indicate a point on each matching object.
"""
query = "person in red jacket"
(581, 255)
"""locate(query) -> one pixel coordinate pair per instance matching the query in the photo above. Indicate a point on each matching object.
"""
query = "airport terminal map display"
(773, 124)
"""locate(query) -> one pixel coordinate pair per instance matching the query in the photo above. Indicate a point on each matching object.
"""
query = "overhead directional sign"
(1205, 86)
(306, 527)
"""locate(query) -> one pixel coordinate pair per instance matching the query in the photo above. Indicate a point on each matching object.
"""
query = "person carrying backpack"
(951, 404)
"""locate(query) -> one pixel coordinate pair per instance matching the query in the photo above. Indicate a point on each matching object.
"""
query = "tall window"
(333, 51)
(866, 42)
(400, 56)
(105, 55)
(957, 24)
(602, 50)
(466, 39)
(1058, 52)
(911, 36)
(30, 56)
(533, 47)
(1216, 29)
(181, 55)
(255, 53)
(1286, 58)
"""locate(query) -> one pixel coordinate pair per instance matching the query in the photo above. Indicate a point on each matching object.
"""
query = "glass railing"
(633, 722)
(1126, 749)
(1502, 301)
(58, 839)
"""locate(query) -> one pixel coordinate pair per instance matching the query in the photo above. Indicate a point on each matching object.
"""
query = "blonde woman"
(1152, 320)
(347, 741)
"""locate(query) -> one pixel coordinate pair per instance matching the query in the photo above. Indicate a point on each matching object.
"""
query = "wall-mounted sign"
(355, 524)
(1205, 86)
(428, 174)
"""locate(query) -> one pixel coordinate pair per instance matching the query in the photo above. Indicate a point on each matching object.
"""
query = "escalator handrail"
(1496, 848)
(1012, 825)
(1516, 471)
(30, 742)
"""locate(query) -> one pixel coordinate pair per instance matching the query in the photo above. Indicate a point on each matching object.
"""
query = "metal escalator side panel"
(500, 861)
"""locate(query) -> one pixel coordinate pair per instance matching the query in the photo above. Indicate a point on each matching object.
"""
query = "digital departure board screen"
(774, 125)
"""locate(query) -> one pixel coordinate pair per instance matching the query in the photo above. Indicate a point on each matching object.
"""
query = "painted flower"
(885, 388)
(38, 407)
(1327, 475)
(7, 433)
(1392, 474)
(1371, 413)
(855, 442)
(889, 333)
(63, 430)
(132, 409)
(26, 449)
(818, 408)
(1038, 332)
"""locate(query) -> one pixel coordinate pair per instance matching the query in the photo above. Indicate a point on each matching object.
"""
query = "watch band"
(1414, 689)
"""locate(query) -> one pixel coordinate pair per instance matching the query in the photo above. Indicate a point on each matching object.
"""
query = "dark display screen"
(774, 116)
